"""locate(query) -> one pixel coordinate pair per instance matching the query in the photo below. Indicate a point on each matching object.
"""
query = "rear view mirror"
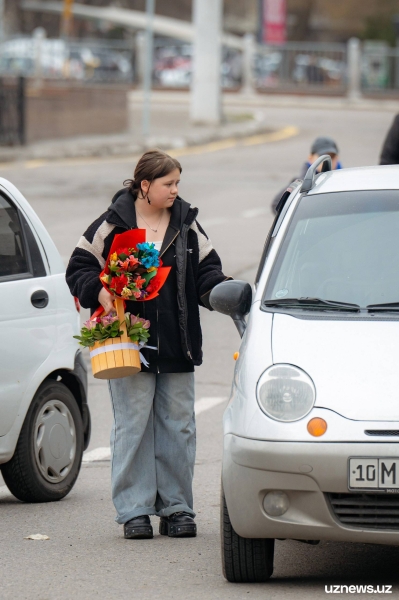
(233, 298)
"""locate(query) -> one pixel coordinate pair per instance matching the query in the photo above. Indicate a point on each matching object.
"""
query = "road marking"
(35, 163)
(4, 492)
(204, 404)
(251, 213)
(275, 136)
(104, 454)
(97, 454)
(233, 142)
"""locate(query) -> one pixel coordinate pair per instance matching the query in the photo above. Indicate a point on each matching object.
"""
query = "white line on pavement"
(4, 492)
(99, 454)
(207, 403)
(251, 213)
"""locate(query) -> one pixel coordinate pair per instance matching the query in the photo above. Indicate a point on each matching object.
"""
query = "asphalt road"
(86, 556)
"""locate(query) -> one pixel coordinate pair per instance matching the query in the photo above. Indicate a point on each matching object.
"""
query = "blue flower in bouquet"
(149, 255)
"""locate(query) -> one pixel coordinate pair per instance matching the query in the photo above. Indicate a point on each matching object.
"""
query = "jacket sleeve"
(209, 268)
(87, 262)
(390, 149)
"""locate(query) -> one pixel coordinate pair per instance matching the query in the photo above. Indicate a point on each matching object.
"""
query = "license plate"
(374, 474)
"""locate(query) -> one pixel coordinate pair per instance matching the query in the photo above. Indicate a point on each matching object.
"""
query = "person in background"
(321, 145)
(390, 148)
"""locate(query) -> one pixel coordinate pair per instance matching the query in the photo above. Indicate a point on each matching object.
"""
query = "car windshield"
(342, 247)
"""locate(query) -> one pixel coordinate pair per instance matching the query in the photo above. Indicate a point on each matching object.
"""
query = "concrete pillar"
(140, 48)
(354, 69)
(248, 62)
(39, 35)
(206, 101)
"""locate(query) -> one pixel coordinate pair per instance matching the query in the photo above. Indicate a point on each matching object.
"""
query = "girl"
(153, 434)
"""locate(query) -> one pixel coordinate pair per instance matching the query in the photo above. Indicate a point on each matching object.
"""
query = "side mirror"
(233, 298)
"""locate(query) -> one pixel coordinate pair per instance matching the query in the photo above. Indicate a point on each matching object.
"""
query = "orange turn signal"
(317, 427)
(236, 355)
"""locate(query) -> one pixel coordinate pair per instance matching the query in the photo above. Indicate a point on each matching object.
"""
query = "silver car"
(311, 430)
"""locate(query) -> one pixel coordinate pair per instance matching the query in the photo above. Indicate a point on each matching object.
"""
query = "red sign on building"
(274, 21)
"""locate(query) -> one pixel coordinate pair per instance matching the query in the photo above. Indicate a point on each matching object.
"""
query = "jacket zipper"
(185, 307)
(157, 336)
(169, 245)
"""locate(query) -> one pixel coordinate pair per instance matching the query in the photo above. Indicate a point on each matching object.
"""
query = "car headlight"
(285, 393)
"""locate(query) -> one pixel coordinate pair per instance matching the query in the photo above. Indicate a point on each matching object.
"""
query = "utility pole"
(66, 19)
(206, 100)
(147, 80)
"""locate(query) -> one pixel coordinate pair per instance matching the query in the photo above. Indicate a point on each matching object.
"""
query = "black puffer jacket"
(174, 314)
(390, 148)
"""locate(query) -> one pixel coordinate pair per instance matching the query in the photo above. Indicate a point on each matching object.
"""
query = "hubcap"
(55, 441)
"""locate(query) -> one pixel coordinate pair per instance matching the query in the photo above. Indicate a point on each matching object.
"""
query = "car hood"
(354, 363)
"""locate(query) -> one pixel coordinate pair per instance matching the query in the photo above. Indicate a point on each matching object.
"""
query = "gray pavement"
(86, 556)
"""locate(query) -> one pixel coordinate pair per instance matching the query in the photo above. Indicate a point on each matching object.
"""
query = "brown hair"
(152, 165)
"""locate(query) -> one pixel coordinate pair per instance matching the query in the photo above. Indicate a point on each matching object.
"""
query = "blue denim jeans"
(152, 444)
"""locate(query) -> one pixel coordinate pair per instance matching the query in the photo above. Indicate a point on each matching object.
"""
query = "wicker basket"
(116, 357)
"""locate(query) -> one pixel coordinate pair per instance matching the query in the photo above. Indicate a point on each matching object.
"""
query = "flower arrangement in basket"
(133, 271)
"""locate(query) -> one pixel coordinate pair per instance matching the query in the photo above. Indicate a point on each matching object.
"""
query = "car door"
(27, 309)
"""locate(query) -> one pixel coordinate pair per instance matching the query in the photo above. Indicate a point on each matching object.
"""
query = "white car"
(44, 416)
(311, 430)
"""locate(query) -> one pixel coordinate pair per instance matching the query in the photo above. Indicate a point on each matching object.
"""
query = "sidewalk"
(170, 128)
(244, 115)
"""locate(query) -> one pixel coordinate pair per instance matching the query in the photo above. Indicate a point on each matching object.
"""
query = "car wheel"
(49, 451)
(244, 560)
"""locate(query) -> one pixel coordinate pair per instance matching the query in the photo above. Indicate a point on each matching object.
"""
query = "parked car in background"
(44, 416)
(311, 429)
(58, 59)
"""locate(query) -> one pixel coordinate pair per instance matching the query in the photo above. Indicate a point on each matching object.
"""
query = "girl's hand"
(106, 300)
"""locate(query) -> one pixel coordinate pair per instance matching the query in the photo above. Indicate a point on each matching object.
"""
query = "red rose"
(118, 283)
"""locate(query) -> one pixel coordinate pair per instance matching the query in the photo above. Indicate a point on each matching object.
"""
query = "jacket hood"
(353, 363)
(123, 206)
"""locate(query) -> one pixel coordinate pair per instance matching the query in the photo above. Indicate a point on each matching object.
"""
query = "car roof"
(385, 177)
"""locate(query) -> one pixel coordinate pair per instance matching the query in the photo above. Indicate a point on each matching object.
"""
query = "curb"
(123, 144)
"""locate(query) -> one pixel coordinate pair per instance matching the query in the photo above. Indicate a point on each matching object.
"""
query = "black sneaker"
(180, 524)
(139, 528)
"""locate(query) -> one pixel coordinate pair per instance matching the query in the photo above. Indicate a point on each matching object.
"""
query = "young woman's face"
(163, 191)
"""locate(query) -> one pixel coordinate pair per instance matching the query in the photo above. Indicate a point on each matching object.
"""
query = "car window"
(341, 246)
(37, 265)
(13, 259)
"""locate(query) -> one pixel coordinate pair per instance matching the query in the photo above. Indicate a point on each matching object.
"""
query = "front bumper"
(307, 472)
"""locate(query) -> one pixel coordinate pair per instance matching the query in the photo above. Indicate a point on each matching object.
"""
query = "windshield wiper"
(389, 306)
(312, 303)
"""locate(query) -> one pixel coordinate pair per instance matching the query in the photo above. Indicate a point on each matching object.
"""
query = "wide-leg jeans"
(152, 444)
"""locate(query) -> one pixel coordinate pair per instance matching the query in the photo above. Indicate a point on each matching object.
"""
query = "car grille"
(370, 511)
(385, 432)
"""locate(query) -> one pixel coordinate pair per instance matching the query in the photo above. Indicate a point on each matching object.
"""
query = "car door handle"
(39, 299)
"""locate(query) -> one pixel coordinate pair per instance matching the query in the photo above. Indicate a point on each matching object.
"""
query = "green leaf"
(148, 276)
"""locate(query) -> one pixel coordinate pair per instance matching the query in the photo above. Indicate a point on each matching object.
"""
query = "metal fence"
(12, 111)
(380, 70)
(294, 67)
(301, 67)
(173, 65)
(89, 60)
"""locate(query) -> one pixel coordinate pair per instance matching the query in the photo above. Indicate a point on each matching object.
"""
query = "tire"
(244, 560)
(47, 459)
